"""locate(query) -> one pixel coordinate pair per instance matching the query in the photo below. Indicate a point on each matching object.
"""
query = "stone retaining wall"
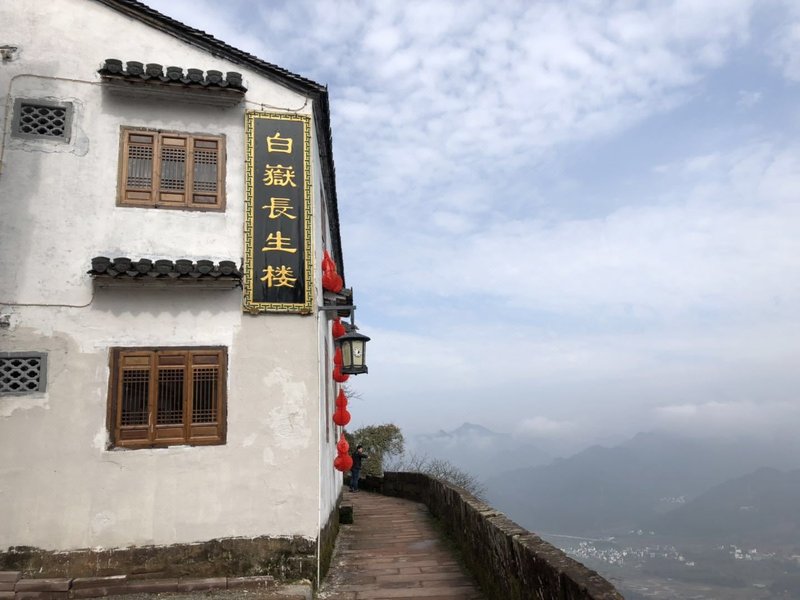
(285, 559)
(14, 587)
(509, 562)
(217, 562)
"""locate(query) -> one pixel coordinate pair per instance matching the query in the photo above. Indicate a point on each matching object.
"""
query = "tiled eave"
(154, 80)
(124, 272)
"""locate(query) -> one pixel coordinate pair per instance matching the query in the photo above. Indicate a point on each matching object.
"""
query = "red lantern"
(341, 416)
(343, 462)
(341, 400)
(338, 329)
(338, 463)
(337, 357)
(347, 462)
(338, 376)
(332, 282)
(327, 262)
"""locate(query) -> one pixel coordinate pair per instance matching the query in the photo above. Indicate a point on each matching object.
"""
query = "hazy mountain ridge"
(601, 490)
(478, 450)
(763, 504)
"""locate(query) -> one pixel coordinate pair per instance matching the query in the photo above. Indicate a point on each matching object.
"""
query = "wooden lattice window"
(167, 396)
(172, 170)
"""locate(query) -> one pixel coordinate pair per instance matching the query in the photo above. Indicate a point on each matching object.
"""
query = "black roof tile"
(125, 268)
(154, 72)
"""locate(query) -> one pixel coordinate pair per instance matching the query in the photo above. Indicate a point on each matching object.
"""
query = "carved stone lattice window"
(42, 119)
(22, 372)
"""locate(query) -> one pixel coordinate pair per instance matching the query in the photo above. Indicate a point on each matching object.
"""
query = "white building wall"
(60, 488)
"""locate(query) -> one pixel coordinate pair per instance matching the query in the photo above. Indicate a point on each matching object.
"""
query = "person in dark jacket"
(355, 472)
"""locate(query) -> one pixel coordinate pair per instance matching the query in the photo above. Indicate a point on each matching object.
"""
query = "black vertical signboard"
(278, 269)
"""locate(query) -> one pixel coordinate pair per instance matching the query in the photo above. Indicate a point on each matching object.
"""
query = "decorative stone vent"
(123, 270)
(42, 119)
(22, 373)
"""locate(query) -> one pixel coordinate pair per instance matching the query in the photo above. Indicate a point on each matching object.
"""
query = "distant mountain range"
(762, 505)
(478, 450)
(609, 490)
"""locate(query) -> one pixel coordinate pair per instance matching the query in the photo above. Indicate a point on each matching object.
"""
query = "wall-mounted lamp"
(354, 351)
(352, 343)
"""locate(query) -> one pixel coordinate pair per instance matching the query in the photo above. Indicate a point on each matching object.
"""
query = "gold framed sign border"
(257, 307)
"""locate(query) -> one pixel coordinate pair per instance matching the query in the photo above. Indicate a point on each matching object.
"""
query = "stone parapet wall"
(509, 562)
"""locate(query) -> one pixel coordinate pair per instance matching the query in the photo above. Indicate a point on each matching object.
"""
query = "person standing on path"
(355, 471)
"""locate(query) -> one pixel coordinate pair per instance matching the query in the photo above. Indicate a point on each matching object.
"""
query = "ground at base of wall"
(285, 592)
(14, 587)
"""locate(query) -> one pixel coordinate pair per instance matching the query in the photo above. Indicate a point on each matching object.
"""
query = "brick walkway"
(393, 550)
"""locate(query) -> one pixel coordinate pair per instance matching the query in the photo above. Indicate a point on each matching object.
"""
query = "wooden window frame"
(156, 195)
(152, 360)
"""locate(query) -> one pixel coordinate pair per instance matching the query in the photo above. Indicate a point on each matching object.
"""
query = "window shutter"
(207, 173)
(134, 393)
(170, 398)
(138, 168)
(172, 170)
(207, 416)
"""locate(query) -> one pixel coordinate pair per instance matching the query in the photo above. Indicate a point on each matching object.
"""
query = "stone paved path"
(393, 550)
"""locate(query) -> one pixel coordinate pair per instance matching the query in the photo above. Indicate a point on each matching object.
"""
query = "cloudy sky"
(561, 220)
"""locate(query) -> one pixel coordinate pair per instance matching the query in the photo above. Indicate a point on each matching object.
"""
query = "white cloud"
(542, 427)
(784, 47)
(748, 98)
(720, 239)
(748, 419)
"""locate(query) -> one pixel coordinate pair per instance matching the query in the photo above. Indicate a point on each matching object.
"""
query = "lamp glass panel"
(347, 353)
(358, 353)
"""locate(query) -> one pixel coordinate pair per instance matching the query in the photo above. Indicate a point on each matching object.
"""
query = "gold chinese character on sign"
(279, 175)
(279, 207)
(280, 277)
(278, 144)
(276, 242)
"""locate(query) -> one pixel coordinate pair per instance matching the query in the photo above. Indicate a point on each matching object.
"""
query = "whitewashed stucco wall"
(59, 486)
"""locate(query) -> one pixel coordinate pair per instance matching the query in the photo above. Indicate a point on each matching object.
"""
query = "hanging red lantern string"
(327, 262)
(347, 462)
(343, 462)
(338, 376)
(341, 416)
(337, 329)
(337, 357)
(331, 280)
(342, 446)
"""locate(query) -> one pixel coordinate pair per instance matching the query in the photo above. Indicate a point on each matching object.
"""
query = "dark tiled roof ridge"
(122, 266)
(113, 68)
(216, 47)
